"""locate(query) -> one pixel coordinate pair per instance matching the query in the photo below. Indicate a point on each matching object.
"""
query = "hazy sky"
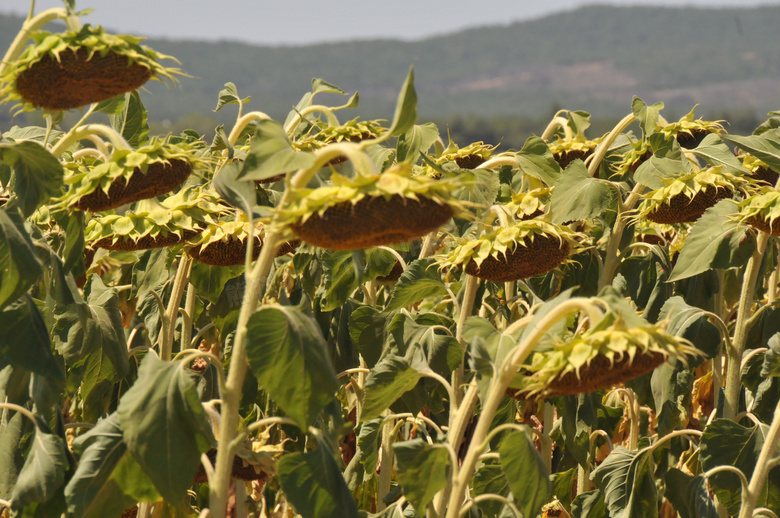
(307, 21)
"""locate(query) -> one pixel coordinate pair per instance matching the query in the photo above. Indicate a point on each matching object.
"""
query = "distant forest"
(497, 84)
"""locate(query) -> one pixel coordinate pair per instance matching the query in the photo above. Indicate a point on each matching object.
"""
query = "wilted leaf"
(229, 95)
(405, 109)
(37, 173)
(626, 480)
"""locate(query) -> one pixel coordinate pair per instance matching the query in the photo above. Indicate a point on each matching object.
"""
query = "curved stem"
(242, 123)
(603, 147)
(86, 131)
(193, 343)
(555, 123)
(17, 408)
(498, 161)
(761, 471)
(398, 256)
(735, 352)
(30, 25)
(325, 110)
(611, 262)
(490, 496)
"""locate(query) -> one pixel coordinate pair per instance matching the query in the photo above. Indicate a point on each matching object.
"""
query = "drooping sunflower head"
(62, 71)
(521, 250)
(631, 160)
(685, 198)
(352, 131)
(365, 211)
(762, 211)
(689, 132)
(469, 157)
(154, 225)
(608, 354)
(760, 172)
(567, 150)
(131, 175)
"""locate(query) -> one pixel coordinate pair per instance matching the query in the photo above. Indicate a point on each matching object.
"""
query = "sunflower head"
(567, 150)
(62, 71)
(760, 172)
(469, 157)
(609, 353)
(363, 211)
(631, 160)
(130, 175)
(352, 131)
(521, 250)
(685, 198)
(689, 132)
(762, 211)
(153, 225)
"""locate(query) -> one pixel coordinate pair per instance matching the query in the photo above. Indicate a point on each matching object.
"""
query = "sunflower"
(685, 198)
(606, 355)
(523, 249)
(61, 71)
(689, 132)
(366, 211)
(762, 211)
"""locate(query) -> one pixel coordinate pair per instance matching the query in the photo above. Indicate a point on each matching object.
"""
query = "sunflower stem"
(84, 132)
(189, 312)
(33, 23)
(611, 262)
(179, 283)
(496, 392)
(255, 288)
(733, 371)
(242, 123)
(603, 147)
(325, 110)
(558, 122)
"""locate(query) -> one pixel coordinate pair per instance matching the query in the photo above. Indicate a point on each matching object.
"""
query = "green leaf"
(314, 485)
(726, 443)
(28, 346)
(12, 431)
(689, 495)
(319, 85)
(271, 154)
(417, 140)
(526, 473)
(164, 425)
(390, 379)
(368, 442)
(765, 147)
(691, 323)
(578, 196)
(37, 174)
(288, 355)
(771, 365)
(405, 109)
(92, 491)
(578, 121)
(422, 469)
(36, 133)
(419, 281)
(648, 115)
(589, 505)
(537, 161)
(715, 241)
(346, 271)
(490, 479)
(478, 186)
(131, 122)
(19, 264)
(131, 478)
(626, 480)
(44, 469)
(238, 192)
(368, 328)
(229, 95)
(652, 172)
(210, 281)
(713, 151)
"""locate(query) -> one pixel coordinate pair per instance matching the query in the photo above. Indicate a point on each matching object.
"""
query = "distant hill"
(595, 58)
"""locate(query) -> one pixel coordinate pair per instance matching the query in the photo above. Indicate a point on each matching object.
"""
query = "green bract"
(61, 71)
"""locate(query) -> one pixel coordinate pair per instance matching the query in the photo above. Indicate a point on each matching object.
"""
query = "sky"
(298, 22)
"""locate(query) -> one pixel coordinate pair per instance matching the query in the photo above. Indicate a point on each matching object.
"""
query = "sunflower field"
(330, 317)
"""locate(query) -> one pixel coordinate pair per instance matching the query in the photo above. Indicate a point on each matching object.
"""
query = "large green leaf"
(405, 109)
(12, 430)
(346, 271)
(314, 485)
(626, 480)
(490, 479)
(691, 323)
(419, 281)
(25, 342)
(771, 365)
(131, 121)
(589, 505)
(713, 151)
(164, 425)
(44, 469)
(92, 491)
(390, 379)
(237, 191)
(37, 173)
(689, 495)
(726, 443)
(716, 241)
(578, 196)
(287, 354)
(417, 140)
(368, 328)
(423, 470)
(648, 115)
(537, 161)
(765, 147)
(526, 473)
(19, 265)
(652, 172)
(271, 154)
